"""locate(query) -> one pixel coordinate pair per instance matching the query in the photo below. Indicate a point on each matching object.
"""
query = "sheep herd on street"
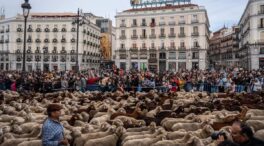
(129, 119)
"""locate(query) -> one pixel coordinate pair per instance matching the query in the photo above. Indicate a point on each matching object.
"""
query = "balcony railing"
(1, 41)
(152, 36)
(123, 37)
(182, 22)
(30, 30)
(134, 37)
(152, 24)
(172, 48)
(122, 25)
(195, 21)
(7, 41)
(2, 31)
(261, 12)
(7, 30)
(133, 25)
(162, 23)
(196, 47)
(181, 35)
(134, 49)
(172, 23)
(182, 48)
(195, 34)
(143, 24)
(162, 36)
(261, 26)
(172, 35)
(143, 36)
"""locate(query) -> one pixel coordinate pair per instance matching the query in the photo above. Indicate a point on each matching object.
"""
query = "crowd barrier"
(204, 87)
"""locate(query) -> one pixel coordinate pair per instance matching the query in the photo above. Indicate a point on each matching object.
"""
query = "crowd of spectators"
(235, 80)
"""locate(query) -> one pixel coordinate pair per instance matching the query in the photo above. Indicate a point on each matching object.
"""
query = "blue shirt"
(52, 133)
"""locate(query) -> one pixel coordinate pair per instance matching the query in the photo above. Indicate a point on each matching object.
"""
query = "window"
(122, 46)
(172, 44)
(261, 51)
(152, 45)
(153, 20)
(195, 43)
(144, 32)
(261, 9)
(134, 22)
(261, 24)
(195, 55)
(123, 32)
(134, 32)
(261, 63)
(194, 17)
(162, 55)
(182, 65)
(181, 30)
(143, 22)
(162, 31)
(195, 29)
(162, 45)
(143, 45)
(172, 31)
(134, 45)
(172, 55)
(152, 31)
(182, 44)
(153, 55)
(182, 55)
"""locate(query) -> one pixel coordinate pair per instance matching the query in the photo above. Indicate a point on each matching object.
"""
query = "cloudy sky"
(221, 12)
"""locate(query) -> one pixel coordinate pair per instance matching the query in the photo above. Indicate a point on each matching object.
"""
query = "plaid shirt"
(52, 133)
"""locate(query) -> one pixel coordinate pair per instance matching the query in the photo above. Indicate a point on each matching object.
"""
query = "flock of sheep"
(129, 119)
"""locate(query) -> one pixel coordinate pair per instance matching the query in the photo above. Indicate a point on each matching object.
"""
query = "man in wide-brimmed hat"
(52, 130)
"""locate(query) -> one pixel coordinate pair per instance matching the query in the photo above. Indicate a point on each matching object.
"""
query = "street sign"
(146, 3)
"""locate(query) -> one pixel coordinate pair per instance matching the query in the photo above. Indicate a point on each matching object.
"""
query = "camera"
(215, 135)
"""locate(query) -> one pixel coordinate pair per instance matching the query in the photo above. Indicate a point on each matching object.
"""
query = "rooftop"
(167, 7)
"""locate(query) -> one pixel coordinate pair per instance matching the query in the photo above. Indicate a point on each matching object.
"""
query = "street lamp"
(26, 8)
(79, 23)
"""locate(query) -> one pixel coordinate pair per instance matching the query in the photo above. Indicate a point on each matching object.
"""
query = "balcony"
(181, 35)
(133, 49)
(143, 37)
(172, 48)
(153, 60)
(1, 41)
(8, 30)
(162, 36)
(195, 34)
(261, 12)
(38, 41)
(152, 24)
(195, 21)
(122, 25)
(18, 40)
(133, 25)
(162, 24)
(182, 22)
(162, 48)
(134, 37)
(152, 49)
(19, 29)
(172, 23)
(196, 47)
(2, 31)
(182, 48)
(7, 41)
(38, 30)
(30, 30)
(172, 35)
(143, 24)
(55, 30)
(122, 37)
(152, 36)
(47, 30)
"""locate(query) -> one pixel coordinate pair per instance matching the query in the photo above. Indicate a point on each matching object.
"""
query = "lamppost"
(79, 23)
(26, 8)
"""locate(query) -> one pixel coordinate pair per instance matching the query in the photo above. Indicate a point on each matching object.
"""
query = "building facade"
(252, 35)
(224, 48)
(170, 37)
(51, 42)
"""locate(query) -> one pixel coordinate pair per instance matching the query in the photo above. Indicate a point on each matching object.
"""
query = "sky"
(220, 12)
